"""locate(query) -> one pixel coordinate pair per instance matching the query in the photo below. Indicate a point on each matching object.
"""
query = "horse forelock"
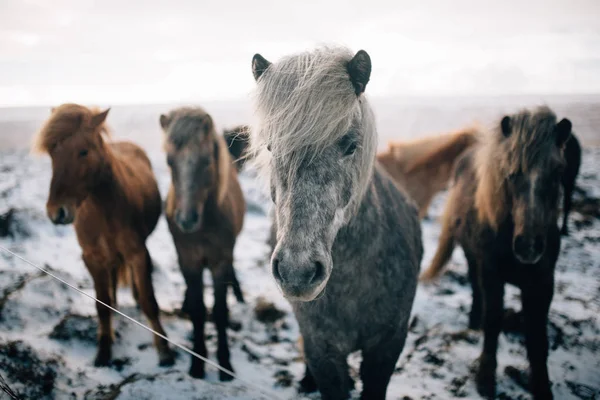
(65, 121)
(532, 142)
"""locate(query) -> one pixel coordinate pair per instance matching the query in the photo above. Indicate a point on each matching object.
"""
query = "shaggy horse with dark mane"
(348, 240)
(503, 211)
(205, 210)
(109, 192)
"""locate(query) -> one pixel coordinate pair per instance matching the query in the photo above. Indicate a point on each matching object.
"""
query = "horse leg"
(235, 285)
(114, 280)
(134, 289)
(536, 304)
(221, 317)
(493, 310)
(567, 200)
(102, 284)
(141, 264)
(378, 365)
(194, 307)
(329, 368)
(308, 383)
(476, 304)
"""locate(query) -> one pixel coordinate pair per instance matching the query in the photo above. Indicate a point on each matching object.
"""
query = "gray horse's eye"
(348, 144)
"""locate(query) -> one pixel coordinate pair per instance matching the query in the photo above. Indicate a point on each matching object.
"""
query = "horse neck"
(109, 188)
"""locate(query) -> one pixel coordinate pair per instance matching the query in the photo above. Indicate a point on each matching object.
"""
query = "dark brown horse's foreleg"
(235, 285)
(476, 304)
(536, 304)
(194, 307)
(221, 317)
(493, 311)
(102, 283)
(142, 267)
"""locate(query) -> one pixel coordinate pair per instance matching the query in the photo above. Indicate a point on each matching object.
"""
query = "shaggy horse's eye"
(83, 153)
(514, 176)
(348, 145)
(170, 161)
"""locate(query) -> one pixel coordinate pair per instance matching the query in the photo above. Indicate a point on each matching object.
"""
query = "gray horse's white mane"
(304, 103)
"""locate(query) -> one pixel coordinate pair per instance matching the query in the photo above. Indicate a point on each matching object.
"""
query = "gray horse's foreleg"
(378, 365)
(329, 369)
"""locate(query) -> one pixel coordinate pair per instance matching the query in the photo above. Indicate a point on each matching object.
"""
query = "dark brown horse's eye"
(83, 153)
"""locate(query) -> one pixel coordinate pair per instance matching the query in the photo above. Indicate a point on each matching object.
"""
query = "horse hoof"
(102, 360)
(307, 385)
(225, 377)
(166, 359)
(197, 373)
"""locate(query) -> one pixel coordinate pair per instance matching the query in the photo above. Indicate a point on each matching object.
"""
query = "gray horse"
(348, 241)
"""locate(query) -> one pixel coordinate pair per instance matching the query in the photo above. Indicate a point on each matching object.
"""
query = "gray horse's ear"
(359, 69)
(259, 65)
(164, 121)
(563, 131)
(506, 126)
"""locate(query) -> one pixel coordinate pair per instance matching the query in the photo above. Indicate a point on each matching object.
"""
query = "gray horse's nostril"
(319, 273)
(275, 270)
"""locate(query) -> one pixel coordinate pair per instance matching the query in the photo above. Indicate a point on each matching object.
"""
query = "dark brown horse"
(109, 192)
(503, 211)
(205, 212)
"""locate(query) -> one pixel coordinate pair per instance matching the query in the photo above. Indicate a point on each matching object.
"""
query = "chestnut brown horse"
(109, 192)
(205, 212)
(423, 166)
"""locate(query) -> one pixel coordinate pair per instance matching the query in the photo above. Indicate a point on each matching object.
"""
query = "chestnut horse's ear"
(359, 69)
(506, 126)
(164, 121)
(563, 131)
(259, 65)
(99, 118)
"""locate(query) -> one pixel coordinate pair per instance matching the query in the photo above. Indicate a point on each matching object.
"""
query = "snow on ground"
(47, 331)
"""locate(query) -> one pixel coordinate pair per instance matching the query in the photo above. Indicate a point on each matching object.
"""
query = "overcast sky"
(121, 51)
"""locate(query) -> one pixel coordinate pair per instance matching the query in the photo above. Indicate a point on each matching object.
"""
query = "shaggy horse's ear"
(164, 121)
(99, 118)
(359, 69)
(563, 131)
(52, 109)
(259, 65)
(506, 126)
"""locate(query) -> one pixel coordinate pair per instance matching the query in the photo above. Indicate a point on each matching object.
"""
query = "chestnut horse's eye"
(83, 153)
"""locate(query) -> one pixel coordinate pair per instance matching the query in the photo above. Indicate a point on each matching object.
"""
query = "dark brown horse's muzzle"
(529, 249)
(189, 221)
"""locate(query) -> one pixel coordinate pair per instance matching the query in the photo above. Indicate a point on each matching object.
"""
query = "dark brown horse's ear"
(164, 121)
(359, 69)
(99, 118)
(563, 131)
(506, 126)
(259, 65)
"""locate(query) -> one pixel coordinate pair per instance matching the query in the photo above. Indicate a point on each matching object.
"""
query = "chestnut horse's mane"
(65, 121)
